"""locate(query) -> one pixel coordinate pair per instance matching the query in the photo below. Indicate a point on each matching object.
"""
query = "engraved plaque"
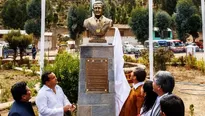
(97, 75)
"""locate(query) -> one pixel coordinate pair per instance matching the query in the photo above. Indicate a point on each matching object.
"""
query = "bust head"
(98, 8)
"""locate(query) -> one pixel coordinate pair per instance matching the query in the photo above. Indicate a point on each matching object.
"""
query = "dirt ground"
(190, 86)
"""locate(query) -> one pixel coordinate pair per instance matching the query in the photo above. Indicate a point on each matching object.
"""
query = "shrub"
(4, 94)
(129, 59)
(161, 57)
(34, 68)
(182, 60)
(190, 62)
(201, 65)
(31, 85)
(8, 65)
(174, 61)
(144, 59)
(66, 68)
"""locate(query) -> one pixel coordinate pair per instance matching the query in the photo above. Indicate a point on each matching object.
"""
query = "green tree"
(162, 21)
(139, 23)
(13, 38)
(76, 17)
(197, 3)
(14, 14)
(66, 67)
(195, 24)
(112, 10)
(185, 11)
(33, 25)
(169, 6)
(23, 43)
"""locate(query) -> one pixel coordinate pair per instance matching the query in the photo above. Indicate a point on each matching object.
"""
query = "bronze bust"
(98, 24)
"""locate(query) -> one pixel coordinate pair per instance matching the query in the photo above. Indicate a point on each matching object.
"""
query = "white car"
(138, 48)
(127, 48)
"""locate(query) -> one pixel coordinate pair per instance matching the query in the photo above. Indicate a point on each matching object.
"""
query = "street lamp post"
(43, 5)
(203, 26)
(151, 39)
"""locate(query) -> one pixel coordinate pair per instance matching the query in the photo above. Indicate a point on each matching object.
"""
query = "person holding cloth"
(51, 100)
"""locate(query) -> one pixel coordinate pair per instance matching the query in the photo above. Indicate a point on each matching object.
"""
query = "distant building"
(48, 38)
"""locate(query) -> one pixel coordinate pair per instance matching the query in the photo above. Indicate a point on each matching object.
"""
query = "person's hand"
(67, 108)
(73, 107)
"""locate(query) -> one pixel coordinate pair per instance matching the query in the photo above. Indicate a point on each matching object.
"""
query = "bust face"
(98, 9)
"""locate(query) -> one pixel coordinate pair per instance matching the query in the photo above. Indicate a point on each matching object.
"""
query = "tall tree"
(33, 25)
(24, 41)
(169, 6)
(13, 38)
(76, 17)
(197, 3)
(162, 21)
(14, 14)
(139, 23)
(186, 10)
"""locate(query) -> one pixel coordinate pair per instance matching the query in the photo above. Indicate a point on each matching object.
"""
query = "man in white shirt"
(51, 100)
(163, 84)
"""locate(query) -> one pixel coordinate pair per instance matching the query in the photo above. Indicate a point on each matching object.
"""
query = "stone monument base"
(97, 41)
(96, 90)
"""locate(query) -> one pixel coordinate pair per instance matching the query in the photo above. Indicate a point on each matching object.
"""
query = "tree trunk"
(14, 56)
(35, 42)
(54, 37)
(78, 41)
(21, 55)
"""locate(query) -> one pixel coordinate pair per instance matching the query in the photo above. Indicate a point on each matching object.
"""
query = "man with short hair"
(98, 24)
(163, 84)
(51, 100)
(135, 99)
(21, 106)
(172, 105)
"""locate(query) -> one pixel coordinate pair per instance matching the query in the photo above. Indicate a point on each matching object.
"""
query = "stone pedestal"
(91, 102)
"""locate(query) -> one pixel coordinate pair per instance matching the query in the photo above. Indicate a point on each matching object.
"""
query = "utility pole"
(151, 61)
(43, 5)
(203, 25)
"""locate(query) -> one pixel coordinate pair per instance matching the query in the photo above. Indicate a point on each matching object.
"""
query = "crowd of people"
(146, 98)
(152, 98)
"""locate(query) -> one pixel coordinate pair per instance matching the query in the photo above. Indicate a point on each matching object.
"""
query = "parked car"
(200, 44)
(28, 50)
(176, 46)
(138, 49)
(127, 48)
(7, 51)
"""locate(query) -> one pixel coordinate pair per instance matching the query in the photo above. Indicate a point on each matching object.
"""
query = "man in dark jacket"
(21, 106)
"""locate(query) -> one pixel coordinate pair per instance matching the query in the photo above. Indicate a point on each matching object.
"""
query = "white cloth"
(122, 88)
(135, 86)
(49, 103)
(145, 114)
